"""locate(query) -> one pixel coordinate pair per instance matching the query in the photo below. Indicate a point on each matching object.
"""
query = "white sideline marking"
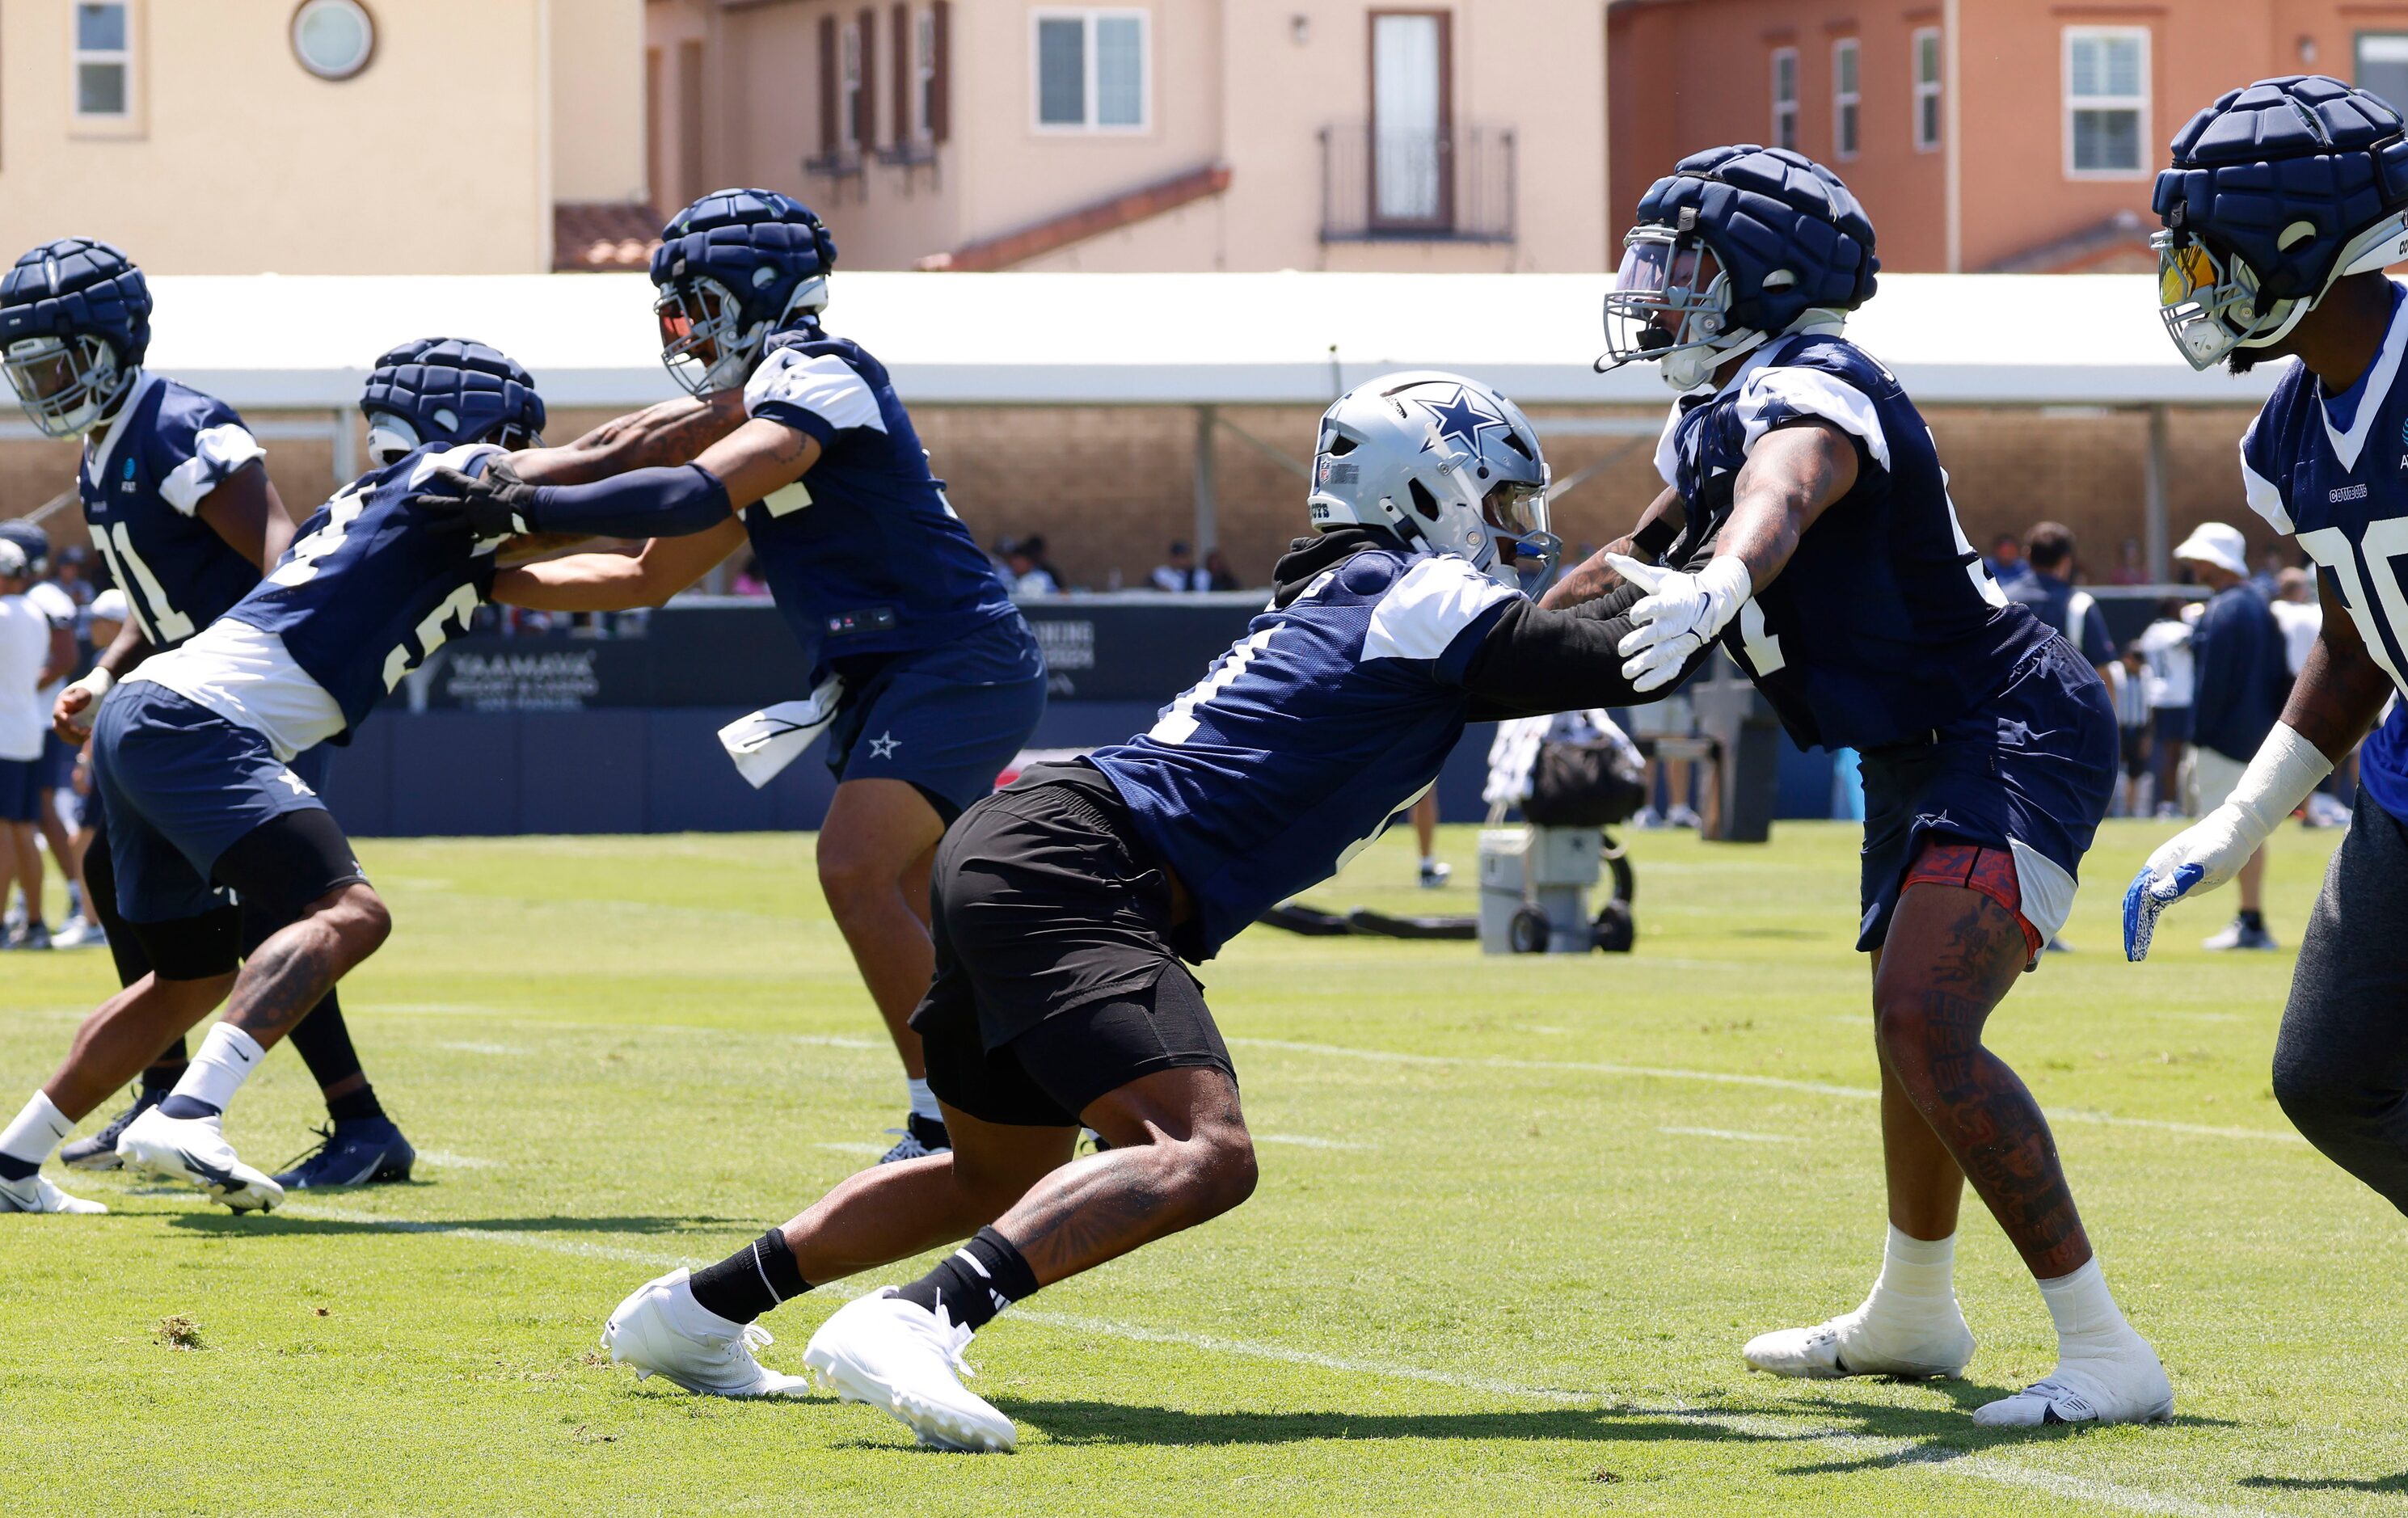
(479, 1048)
(850, 1149)
(1734, 1132)
(1776, 1082)
(1303, 1141)
(823, 1041)
(1890, 1452)
(444, 1160)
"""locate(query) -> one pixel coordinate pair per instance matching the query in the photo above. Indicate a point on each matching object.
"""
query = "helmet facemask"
(67, 385)
(1670, 306)
(703, 340)
(2209, 300)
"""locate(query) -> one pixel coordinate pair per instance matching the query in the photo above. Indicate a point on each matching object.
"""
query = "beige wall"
(1230, 82)
(438, 158)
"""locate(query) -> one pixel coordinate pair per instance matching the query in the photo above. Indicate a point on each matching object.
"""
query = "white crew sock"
(1911, 1314)
(2087, 1319)
(1429, 861)
(1917, 1268)
(226, 1059)
(923, 1101)
(39, 1127)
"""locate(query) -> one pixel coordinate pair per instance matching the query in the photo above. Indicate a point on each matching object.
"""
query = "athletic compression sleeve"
(642, 503)
(1533, 659)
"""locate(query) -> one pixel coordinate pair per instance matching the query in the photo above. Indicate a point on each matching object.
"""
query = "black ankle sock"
(976, 1282)
(751, 1281)
(166, 1070)
(17, 1169)
(358, 1106)
(2255, 921)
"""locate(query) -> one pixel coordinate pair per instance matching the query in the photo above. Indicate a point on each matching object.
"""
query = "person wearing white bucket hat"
(2242, 675)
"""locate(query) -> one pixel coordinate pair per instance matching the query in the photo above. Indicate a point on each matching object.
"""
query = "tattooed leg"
(890, 1212)
(300, 962)
(1952, 955)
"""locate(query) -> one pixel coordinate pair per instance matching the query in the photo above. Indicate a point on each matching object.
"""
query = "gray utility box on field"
(1534, 889)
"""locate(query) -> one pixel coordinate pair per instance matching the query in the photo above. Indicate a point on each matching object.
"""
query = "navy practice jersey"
(370, 588)
(1309, 737)
(2334, 472)
(1885, 624)
(864, 554)
(142, 482)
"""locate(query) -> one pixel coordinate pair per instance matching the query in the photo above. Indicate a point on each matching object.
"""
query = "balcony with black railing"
(1416, 185)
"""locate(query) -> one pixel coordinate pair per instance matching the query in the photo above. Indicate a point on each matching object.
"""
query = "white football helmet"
(1443, 461)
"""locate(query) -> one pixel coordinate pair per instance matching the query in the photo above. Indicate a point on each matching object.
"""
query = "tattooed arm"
(1659, 525)
(673, 432)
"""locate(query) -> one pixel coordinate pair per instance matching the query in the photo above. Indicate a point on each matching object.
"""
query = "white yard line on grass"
(1894, 1453)
(479, 1048)
(1734, 1134)
(1776, 1082)
(1305, 1141)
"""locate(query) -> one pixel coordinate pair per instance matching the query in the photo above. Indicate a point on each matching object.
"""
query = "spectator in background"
(57, 766)
(105, 618)
(2047, 588)
(1022, 568)
(2267, 581)
(1179, 572)
(1221, 578)
(2243, 676)
(747, 581)
(2165, 643)
(1034, 545)
(27, 663)
(2006, 561)
(2127, 684)
(2129, 568)
(2297, 613)
(71, 567)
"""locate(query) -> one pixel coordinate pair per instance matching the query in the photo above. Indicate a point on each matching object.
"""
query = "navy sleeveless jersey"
(369, 589)
(2332, 471)
(1305, 740)
(142, 482)
(864, 554)
(1885, 624)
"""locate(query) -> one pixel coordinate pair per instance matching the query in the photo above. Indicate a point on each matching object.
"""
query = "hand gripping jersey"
(366, 593)
(2334, 472)
(142, 481)
(1306, 739)
(1885, 625)
(864, 554)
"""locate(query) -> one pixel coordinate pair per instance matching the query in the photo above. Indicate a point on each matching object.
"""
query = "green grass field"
(1516, 1217)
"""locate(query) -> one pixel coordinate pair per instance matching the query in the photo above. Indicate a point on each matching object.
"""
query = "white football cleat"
(1845, 1347)
(2125, 1385)
(661, 1331)
(195, 1149)
(900, 1356)
(35, 1194)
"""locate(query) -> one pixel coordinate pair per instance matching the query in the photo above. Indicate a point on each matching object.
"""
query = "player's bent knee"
(1215, 1168)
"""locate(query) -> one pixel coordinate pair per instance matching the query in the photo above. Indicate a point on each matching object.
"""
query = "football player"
(1807, 527)
(941, 679)
(178, 501)
(192, 760)
(2285, 203)
(1066, 905)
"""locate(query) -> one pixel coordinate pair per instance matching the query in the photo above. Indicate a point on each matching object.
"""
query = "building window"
(333, 38)
(848, 108)
(1090, 69)
(923, 74)
(2383, 65)
(104, 60)
(1785, 97)
(1844, 98)
(1927, 89)
(2106, 100)
(1411, 141)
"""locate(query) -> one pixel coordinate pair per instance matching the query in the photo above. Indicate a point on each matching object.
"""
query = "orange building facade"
(2004, 135)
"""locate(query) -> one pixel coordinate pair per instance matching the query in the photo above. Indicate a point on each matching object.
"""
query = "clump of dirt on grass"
(178, 1331)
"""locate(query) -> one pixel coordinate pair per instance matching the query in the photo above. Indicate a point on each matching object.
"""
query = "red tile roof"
(589, 237)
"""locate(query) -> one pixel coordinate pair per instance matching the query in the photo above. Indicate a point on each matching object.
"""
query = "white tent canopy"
(285, 342)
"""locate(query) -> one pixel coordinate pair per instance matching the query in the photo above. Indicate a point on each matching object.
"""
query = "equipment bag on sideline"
(1591, 784)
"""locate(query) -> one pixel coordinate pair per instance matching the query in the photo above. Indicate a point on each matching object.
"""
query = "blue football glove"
(2149, 895)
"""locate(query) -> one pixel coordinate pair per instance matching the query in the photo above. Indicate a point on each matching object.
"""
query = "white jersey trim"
(2265, 498)
(1428, 608)
(249, 678)
(98, 456)
(1668, 452)
(1812, 392)
(217, 452)
(823, 384)
(2046, 889)
(2346, 445)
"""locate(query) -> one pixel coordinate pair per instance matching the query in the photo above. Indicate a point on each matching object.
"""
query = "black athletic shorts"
(1056, 980)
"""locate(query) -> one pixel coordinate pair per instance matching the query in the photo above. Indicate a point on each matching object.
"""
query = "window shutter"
(901, 38)
(828, 135)
(940, 109)
(868, 21)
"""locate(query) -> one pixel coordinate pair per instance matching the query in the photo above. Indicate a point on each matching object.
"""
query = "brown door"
(689, 164)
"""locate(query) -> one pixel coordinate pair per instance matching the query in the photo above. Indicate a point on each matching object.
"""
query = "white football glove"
(1680, 614)
(2212, 851)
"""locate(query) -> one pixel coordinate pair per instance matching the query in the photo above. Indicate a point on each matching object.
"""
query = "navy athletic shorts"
(58, 762)
(947, 719)
(2031, 769)
(181, 784)
(20, 790)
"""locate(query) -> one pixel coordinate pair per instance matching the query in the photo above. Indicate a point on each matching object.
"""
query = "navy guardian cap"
(75, 320)
(733, 269)
(449, 391)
